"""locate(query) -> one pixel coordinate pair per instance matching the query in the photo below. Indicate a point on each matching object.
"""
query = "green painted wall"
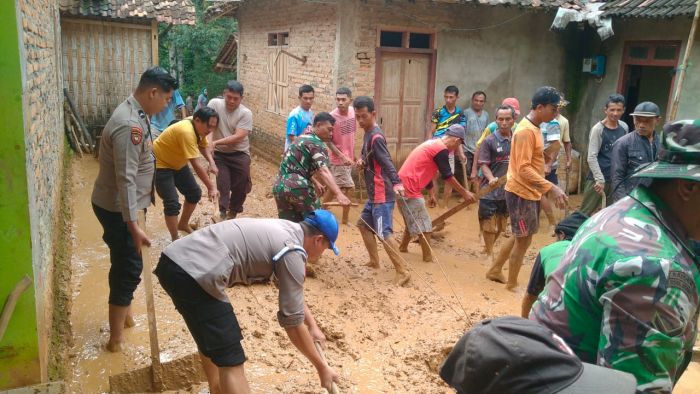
(19, 351)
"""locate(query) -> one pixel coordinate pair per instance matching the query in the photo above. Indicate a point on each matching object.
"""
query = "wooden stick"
(319, 349)
(151, 311)
(480, 194)
(336, 204)
(671, 116)
(11, 302)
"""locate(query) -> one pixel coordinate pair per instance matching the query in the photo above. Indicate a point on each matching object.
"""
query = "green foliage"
(198, 47)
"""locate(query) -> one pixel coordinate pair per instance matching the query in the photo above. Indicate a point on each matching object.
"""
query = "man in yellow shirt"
(180, 143)
(526, 184)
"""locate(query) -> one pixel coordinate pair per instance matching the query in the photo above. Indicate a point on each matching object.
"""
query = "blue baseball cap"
(326, 223)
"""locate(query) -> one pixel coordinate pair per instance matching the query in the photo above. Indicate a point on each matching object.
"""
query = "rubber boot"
(424, 240)
(513, 270)
(391, 247)
(494, 273)
(405, 240)
(370, 245)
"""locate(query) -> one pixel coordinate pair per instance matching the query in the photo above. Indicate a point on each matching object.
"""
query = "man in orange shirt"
(526, 185)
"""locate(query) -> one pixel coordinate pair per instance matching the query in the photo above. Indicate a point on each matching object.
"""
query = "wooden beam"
(154, 42)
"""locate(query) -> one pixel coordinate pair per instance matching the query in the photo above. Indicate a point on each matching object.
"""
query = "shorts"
(493, 215)
(169, 182)
(342, 175)
(379, 217)
(524, 215)
(294, 203)
(552, 177)
(415, 215)
(211, 322)
(470, 164)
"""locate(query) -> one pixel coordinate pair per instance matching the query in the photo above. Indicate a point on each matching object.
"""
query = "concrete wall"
(312, 33)
(596, 91)
(32, 160)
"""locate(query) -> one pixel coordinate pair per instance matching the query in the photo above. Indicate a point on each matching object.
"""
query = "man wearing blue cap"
(196, 270)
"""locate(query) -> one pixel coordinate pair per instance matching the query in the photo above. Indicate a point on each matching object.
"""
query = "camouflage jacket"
(301, 160)
(625, 295)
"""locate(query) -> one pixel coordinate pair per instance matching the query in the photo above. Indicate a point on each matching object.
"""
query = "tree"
(189, 52)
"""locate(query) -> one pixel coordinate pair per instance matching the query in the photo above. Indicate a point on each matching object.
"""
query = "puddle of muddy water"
(381, 339)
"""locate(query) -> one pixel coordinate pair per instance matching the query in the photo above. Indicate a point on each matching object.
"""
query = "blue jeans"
(379, 217)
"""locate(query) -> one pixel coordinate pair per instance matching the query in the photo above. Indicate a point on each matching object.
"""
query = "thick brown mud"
(381, 338)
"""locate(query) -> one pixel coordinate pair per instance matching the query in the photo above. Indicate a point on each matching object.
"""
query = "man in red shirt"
(417, 173)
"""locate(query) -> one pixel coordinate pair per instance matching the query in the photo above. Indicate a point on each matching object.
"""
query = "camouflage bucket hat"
(679, 156)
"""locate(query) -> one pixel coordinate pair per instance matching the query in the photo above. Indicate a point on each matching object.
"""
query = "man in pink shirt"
(342, 147)
(417, 173)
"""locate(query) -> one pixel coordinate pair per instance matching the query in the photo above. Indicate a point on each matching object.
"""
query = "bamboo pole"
(684, 65)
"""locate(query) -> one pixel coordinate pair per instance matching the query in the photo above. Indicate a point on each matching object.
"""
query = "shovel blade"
(178, 374)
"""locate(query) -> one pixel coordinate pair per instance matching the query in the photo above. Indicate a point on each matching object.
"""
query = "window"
(652, 53)
(277, 39)
(391, 39)
(277, 85)
(405, 39)
(419, 40)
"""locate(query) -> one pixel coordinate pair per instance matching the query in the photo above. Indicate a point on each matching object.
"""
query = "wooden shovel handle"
(150, 306)
(319, 349)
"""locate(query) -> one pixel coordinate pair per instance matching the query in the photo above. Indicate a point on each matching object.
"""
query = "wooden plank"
(154, 42)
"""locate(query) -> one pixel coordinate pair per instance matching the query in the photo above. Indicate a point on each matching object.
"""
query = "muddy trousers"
(392, 250)
(233, 180)
(125, 262)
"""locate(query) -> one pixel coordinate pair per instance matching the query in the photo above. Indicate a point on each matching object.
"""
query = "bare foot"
(185, 227)
(402, 279)
(114, 346)
(497, 278)
(129, 321)
(371, 264)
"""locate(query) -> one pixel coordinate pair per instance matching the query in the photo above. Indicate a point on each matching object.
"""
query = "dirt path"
(380, 338)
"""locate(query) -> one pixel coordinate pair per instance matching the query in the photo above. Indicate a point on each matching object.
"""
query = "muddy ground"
(381, 338)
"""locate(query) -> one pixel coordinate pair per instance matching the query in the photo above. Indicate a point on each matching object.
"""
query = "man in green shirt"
(625, 295)
(549, 257)
(306, 158)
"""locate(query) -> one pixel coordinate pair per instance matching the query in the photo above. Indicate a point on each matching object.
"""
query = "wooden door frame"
(649, 62)
(379, 52)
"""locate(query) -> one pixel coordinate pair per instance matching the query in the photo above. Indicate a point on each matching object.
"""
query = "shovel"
(177, 374)
(319, 349)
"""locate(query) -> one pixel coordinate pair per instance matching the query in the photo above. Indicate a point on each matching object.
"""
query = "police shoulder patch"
(136, 135)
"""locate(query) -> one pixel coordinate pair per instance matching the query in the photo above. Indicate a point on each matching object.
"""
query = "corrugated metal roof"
(179, 12)
(649, 8)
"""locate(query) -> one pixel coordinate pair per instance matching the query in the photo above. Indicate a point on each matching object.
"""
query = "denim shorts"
(379, 217)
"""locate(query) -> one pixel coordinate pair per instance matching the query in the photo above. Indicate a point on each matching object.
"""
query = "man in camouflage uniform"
(625, 295)
(295, 190)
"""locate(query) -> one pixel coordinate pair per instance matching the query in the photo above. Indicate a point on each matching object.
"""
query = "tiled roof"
(179, 12)
(227, 8)
(649, 8)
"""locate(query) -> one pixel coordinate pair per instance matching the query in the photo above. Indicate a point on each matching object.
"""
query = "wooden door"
(402, 102)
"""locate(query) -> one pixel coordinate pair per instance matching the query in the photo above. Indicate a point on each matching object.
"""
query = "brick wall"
(312, 33)
(44, 145)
